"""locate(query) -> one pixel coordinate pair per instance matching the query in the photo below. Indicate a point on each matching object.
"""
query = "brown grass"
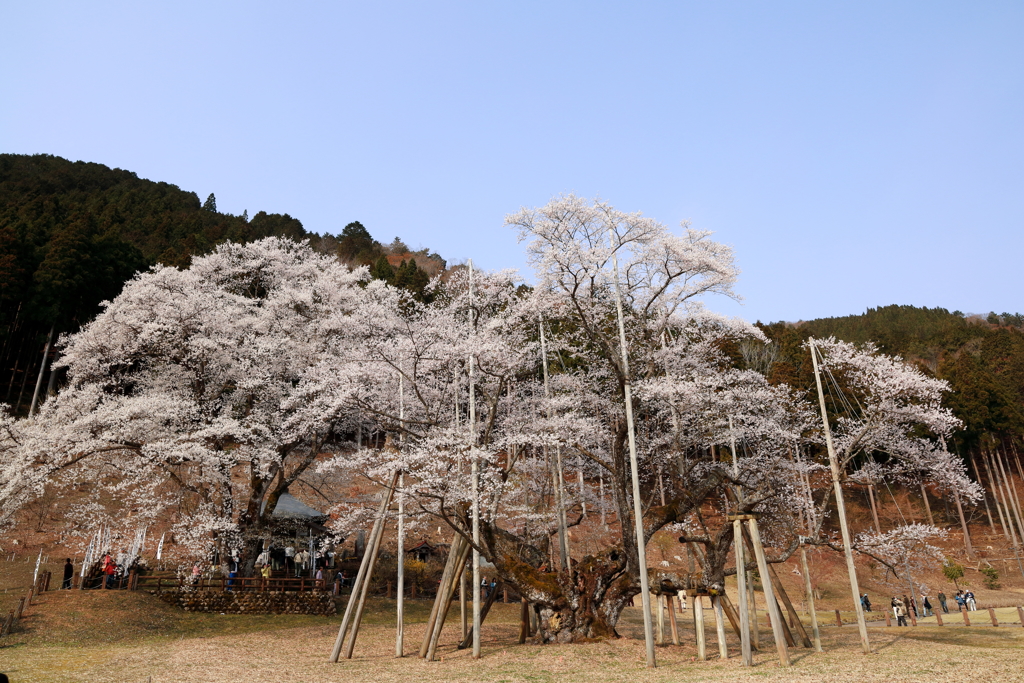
(96, 635)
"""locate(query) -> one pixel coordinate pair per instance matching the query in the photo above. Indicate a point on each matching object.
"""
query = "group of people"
(966, 599)
(905, 607)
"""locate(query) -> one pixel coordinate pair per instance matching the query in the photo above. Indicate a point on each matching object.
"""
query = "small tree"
(953, 571)
(991, 575)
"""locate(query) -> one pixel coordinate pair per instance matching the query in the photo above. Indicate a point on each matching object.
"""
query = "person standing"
(927, 606)
(942, 601)
(289, 559)
(969, 599)
(69, 572)
(901, 615)
(109, 572)
(864, 600)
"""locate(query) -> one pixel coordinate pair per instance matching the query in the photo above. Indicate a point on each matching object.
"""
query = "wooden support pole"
(992, 614)
(484, 611)
(449, 568)
(839, 619)
(698, 626)
(938, 617)
(374, 549)
(462, 602)
(524, 622)
(874, 509)
(778, 627)
(634, 466)
(442, 614)
(672, 619)
(810, 599)
(927, 505)
(731, 614)
(400, 605)
(840, 506)
(888, 619)
(786, 629)
(755, 628)
(661, 620)
(364, 569)
(1020, 614)
(967, 619)
(723, 647)
(780, 593)
(741, 564)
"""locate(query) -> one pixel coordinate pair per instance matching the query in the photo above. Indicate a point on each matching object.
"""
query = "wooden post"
(442, 614)
(524, 622)
(780, 593)
(462, 603)
(1020, 614)
(773, 608)
(927, 506)
(672, 619)
(888, 620)
(992, 613)
(698, 625)
(755, 628)
(492, 597)
(913, 617)
(938, 617)
(839, 619)
(634, 467)
(504, 595)
(723, 648)
(475, 510)
(874, 510)
(967, 619)
(388, 593)
(841, 507)
(454, 552)
(810, 599)
(741, 583)
(660, 630)
(354, 610)
(400, 578)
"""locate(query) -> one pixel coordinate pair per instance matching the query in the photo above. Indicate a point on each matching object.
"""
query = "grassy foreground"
(94, 636)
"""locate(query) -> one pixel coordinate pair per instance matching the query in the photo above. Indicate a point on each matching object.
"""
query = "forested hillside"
(982, 358)
(71, 234)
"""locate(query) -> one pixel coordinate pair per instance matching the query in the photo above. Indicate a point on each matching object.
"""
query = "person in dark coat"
(69, 571)
(942, 601)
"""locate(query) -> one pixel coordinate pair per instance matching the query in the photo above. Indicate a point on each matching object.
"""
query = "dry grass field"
(99, 636)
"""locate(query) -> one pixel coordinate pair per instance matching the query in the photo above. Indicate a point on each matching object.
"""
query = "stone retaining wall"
(251, 602)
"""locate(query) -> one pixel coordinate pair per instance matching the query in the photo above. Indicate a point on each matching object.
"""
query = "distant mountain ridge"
(981, 358)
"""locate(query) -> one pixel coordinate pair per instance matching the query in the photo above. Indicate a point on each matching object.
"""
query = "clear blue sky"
(854, 154)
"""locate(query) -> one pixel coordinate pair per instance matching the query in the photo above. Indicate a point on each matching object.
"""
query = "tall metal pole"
(476, 486)
(634, 468)
(841, 505)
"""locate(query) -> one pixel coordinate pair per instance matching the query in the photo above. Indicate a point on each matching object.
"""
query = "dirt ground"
(98, 635)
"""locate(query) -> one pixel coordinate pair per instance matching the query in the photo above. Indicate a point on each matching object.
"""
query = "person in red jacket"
(109, 570)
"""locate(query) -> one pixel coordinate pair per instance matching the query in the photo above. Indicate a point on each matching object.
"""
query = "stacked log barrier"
(267, 602)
